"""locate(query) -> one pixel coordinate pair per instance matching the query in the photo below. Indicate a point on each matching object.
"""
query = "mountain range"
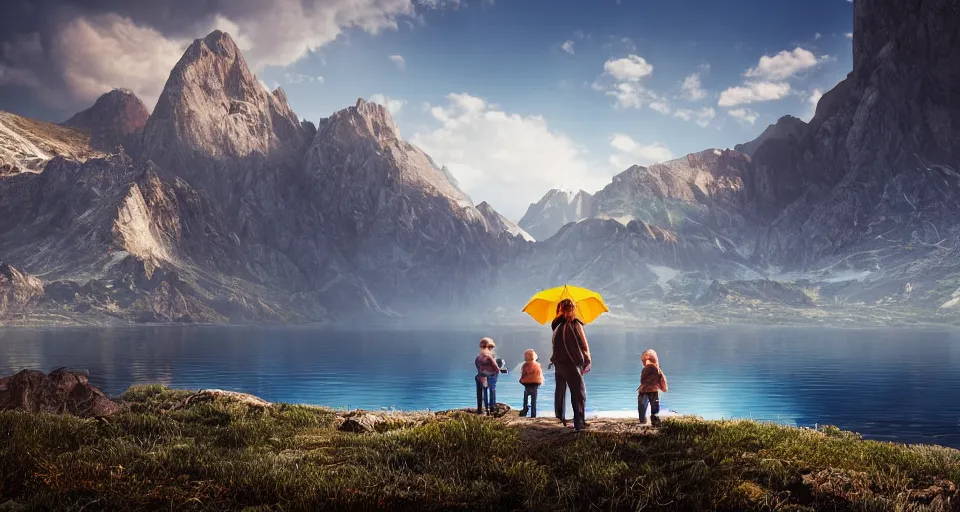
(222, 206)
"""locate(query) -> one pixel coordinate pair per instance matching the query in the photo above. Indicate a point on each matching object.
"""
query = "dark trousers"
(530, 398)
(569, 375)
(487, 397)
(653, 399)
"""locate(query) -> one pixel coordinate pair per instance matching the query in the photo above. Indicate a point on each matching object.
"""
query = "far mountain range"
(223, 206)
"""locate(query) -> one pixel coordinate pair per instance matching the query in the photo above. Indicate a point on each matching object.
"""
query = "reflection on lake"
(887, 384)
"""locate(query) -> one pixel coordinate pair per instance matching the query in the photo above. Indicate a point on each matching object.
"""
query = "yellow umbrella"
(543, 306)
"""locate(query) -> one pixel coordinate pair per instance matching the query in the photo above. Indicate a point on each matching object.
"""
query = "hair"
(650, 354)
(530, 355)
(487, 343)
(565, 305)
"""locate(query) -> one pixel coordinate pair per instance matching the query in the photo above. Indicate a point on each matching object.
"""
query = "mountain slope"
(115, 119)
(787, 127)
(557, 208)
(26, 145)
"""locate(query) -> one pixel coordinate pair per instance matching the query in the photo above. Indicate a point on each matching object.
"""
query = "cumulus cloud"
(88, 49)
(814, 97)
(392, 105)
(90, 56)
(631, 152)
(567, 46)
(754, 92)
(299, 78)
(631, 68)
(744, 115)
(635, 95)
(692, 89)
(783, 65)
(849, 35)
(398, 61)
(507, 159)
(701, 116)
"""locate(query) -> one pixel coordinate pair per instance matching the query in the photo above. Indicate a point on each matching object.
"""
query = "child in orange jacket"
(531, 376)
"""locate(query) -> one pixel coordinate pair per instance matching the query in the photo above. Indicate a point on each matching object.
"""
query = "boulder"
(207, 395)
(63, 391)
(363, 423)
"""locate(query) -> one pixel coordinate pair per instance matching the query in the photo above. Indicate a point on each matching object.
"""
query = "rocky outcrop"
(61, 392)
(786, 128)
(114, 120)
(18, 291)
(497, 223)
(26, 145)
(556, 209)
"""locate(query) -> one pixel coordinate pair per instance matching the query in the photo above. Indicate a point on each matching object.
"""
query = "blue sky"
(514, 96)
(511, 54)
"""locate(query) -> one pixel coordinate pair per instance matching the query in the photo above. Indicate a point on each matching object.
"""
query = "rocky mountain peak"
(368, 132)
(787, 127)
(497, 223)
(112, 119)
(214, 110)
(557, 208)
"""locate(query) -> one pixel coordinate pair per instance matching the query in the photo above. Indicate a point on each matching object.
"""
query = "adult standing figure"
(571, 360)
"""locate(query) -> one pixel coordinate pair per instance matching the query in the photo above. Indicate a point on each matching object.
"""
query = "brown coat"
(652, 379)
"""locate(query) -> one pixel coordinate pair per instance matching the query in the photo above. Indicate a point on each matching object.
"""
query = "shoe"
(523, 412)
(480, 412)
(643, 421)
(563, 421)
(655, 421)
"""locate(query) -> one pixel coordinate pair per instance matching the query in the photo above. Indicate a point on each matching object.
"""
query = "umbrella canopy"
(543, 306)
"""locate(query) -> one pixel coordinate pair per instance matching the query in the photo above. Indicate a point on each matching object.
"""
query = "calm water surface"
(886, 384)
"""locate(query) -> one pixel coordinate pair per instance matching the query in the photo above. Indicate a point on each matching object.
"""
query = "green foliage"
(223, 455)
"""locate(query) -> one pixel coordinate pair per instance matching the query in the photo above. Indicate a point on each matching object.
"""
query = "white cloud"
(507, 159)
(849, 35)
(660, 106)
(86, 56)
(701, 116)
(783, 65)
(398, 61)
(90, 56)
(753, 92)
(299, 78)
(744, 115)
(630, 152)
(817, 36)
(692, 89)
(631, 68)
(392, 105)
(440, 4)
(634, 95)
(814, 98)
(567, 46)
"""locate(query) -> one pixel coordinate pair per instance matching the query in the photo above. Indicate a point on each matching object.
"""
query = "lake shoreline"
(165, 449)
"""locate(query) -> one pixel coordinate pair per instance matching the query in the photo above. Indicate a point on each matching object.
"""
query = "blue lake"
(886, 384)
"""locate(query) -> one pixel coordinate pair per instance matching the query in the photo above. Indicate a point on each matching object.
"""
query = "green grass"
(222, 455)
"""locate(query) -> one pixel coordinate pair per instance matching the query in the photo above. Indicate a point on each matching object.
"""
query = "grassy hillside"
(224, 455)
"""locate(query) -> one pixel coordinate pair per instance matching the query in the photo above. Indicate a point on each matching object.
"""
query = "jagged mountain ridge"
(864, 200)
(556, 209)
(230, 209)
